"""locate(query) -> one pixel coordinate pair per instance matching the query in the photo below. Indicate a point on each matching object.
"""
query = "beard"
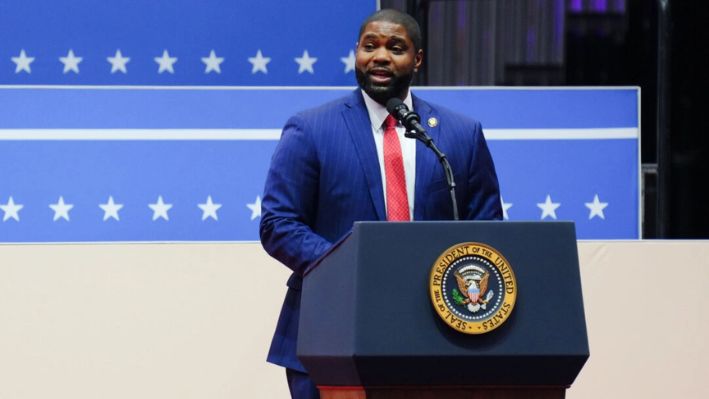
(397, 87)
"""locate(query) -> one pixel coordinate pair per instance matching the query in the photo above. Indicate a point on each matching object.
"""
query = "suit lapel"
(360, 129)
(426, 161)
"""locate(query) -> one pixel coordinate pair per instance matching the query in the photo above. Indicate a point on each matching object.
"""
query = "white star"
(305, 63)
(596, 207)
(11, 210)
(165, 62)
(209, 209)
(255, 208)
(259, 63)
(212, 63)
(118, 62)
(22, 62)
(505, 207)
(349, 61)
(549, 208)
(110, 209)
(160, 209)
(61, 209)
(71, 62)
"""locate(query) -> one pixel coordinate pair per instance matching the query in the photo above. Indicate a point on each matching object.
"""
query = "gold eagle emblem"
(474, 291)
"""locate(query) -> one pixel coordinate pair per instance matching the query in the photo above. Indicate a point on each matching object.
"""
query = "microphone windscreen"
(394, 104)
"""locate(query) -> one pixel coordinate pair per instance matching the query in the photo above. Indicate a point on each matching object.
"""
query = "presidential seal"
(473, 288)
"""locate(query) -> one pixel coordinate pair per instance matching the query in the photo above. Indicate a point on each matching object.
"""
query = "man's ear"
(418, 59)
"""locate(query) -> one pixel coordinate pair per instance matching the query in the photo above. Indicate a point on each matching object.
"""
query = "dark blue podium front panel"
(367, 318)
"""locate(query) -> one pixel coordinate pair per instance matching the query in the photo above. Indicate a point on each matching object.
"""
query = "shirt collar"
(378, 112)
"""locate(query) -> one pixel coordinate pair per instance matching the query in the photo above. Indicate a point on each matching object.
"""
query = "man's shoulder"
(330, 108)
(444, 114)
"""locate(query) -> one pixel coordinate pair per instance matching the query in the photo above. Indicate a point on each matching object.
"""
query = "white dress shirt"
(377, 115)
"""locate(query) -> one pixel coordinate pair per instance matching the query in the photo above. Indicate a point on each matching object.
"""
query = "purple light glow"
(559, 25)
(600, 5)
(462, 16)
(575, 6)
(531, 44)
(619, 6)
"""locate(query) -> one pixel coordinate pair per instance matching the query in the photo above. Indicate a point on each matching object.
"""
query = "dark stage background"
(659, 45)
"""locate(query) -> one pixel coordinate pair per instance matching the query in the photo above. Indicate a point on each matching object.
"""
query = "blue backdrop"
(116, 122)
(188, 30)
(85, 146)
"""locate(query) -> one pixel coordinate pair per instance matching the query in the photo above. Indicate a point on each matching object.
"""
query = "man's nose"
(381, 56)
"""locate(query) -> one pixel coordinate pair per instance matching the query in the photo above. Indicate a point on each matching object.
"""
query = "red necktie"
(397, 200)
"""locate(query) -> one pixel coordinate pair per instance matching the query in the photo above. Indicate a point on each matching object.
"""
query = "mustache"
(381, 93)
(379, 71)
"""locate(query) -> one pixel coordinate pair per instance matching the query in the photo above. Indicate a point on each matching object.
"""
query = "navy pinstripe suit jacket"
(325, 175)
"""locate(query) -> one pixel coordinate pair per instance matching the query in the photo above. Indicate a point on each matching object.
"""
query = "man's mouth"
(380, 75)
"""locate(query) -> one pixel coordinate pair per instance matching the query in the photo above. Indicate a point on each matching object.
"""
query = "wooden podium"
(368, 328)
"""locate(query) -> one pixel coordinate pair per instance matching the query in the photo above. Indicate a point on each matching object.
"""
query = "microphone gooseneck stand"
(428, 141)
(412, 123)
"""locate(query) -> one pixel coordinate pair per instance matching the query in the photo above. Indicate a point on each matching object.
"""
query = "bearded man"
(348, 161)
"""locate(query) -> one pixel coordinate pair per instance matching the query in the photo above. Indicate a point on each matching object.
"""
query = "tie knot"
(389, 123)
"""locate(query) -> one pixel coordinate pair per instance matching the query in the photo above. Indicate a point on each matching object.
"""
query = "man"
(346, 161)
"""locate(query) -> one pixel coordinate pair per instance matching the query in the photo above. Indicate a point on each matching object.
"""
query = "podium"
(368, 328)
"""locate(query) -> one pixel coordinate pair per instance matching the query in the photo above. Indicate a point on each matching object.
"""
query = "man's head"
(388, 53)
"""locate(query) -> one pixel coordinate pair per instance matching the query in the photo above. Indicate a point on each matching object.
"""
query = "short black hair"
(397, 17)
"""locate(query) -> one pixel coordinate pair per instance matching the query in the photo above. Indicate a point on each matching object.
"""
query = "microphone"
(410, 119)
(412, 122)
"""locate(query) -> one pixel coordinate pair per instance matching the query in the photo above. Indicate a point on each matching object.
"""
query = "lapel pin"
(432, 122)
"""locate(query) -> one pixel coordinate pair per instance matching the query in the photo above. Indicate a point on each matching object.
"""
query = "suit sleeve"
(485, 198)
(290, 200)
